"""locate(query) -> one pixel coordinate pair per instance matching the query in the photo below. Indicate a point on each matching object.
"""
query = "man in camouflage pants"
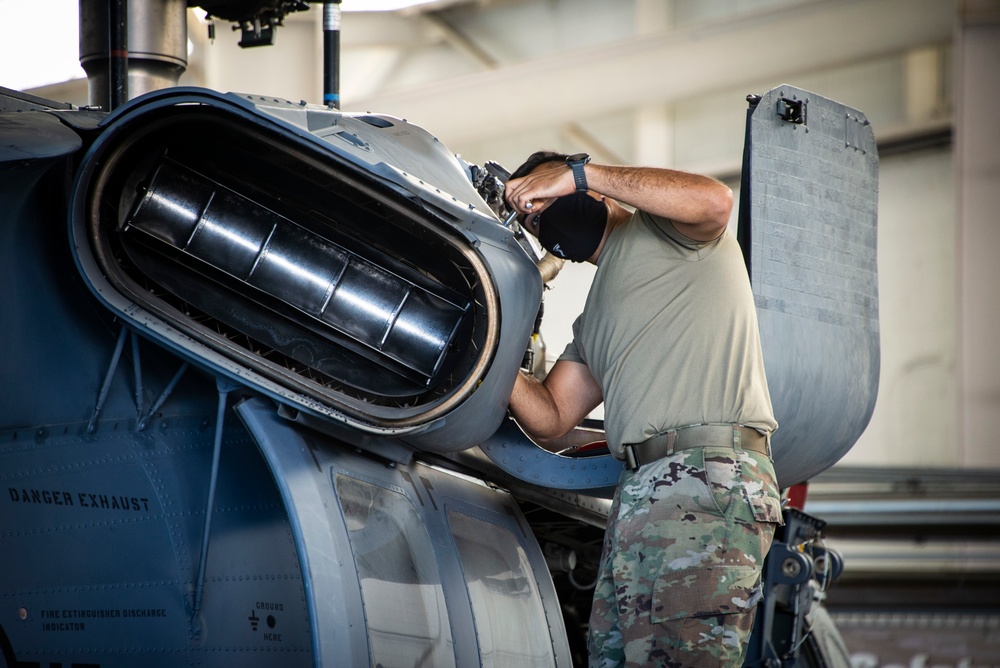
(668, 341)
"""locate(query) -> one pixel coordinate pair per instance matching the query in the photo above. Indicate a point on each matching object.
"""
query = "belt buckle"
(630, 460)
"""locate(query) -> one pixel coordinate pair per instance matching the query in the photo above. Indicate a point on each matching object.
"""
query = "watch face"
(578, 158)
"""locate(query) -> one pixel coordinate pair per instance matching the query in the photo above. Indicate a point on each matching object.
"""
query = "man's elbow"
(718, 211)
(558, 442)
(547, 435)
(713, 215)
(548, 432)
(723, 205)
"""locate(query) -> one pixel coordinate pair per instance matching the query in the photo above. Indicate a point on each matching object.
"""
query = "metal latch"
(792, 111)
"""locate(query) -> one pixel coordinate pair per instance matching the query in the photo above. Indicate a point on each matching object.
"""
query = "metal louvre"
(383, 312)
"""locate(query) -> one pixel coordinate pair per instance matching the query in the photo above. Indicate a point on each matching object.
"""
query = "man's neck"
(617, 216)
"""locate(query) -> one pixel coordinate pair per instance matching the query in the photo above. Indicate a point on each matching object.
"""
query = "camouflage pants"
(680, 571)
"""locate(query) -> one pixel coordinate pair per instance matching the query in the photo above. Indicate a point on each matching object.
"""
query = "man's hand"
(533, 193)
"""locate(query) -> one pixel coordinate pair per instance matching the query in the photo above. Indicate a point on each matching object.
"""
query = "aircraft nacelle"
(342, 264)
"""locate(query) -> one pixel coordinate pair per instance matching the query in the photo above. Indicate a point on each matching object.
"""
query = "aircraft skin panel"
(102, 512)
(398, 151)
(70, 509)
(33, 254)
(513, 603)
(35, 137)
(253, 604)
(504, 531)
(102, 536)
(312, 469)
(330, 584)
(813, 191)
(514, 454)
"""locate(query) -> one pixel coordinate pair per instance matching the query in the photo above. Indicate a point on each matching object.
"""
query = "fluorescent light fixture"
(380, 5)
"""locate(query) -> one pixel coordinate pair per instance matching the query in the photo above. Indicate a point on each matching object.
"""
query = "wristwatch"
(576, 163)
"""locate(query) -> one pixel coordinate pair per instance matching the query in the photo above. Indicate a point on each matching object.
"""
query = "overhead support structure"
(118, 52)
(331, 53)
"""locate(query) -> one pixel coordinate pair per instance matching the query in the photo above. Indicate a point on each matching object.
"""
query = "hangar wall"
(978, 190)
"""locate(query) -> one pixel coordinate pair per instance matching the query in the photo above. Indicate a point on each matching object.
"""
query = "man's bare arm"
(699, 205)
(551, 408)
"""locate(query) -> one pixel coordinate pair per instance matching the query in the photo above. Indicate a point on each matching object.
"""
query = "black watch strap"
(576, 163)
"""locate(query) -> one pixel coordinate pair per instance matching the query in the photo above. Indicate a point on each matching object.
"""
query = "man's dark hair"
(535, 159)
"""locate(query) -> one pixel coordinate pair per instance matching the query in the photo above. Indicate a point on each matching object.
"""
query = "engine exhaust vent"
(377, 309)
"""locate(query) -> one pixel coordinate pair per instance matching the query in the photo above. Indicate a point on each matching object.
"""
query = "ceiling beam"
(666, 67)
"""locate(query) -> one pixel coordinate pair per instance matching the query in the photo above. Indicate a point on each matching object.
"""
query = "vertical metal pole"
(162, 398)
(118, 52)
(331, 53)
(108, 377)
(220, 419)
(137, 368)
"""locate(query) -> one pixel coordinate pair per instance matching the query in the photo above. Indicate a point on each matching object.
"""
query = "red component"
(796, 495)
(592, 447)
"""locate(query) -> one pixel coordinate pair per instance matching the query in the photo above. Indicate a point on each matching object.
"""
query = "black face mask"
(572, 227)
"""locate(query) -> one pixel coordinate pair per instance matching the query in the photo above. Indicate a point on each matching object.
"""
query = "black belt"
(663, 445)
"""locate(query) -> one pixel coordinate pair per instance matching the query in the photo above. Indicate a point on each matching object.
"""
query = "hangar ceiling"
(648, 81)
(574, 60)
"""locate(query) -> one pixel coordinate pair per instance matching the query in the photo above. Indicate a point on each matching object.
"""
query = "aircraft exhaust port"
(371, 308)
(326, 276)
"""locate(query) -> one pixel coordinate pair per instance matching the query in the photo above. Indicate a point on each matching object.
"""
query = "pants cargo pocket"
(765, 508)
(761, 489)
(705, 591)
(704, 615)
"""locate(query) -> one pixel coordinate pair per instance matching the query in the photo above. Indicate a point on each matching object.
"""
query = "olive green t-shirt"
(669, 331)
